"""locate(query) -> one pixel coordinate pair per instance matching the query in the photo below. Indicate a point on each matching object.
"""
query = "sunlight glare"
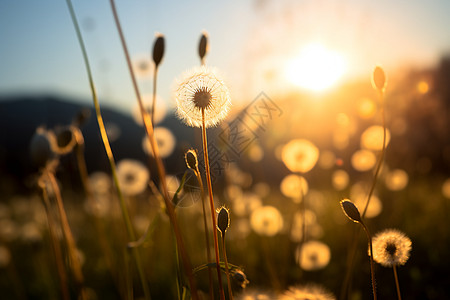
(316, 68)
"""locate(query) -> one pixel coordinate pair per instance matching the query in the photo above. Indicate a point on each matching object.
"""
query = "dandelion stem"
(108, 150)
(211, 203)
(372, 271)
(230, 292)
(160, 167)
(397, 285)
(70, 242)
(56, 246)
(205, 224)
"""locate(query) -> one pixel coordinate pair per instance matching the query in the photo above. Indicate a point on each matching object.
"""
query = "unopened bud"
(223, 219)
(379, 79)
(351, 211)
(191, 160)
(158, 49)
(203, 46)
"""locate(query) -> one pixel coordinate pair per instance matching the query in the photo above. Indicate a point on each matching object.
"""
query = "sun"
(316, 68)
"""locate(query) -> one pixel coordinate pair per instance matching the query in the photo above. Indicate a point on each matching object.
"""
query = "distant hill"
(20, 116)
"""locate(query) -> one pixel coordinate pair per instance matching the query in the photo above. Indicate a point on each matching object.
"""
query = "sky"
(251, 42)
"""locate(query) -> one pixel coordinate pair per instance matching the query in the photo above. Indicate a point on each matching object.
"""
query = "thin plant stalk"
(211, 203)
(68, 236)
(383, 151)
(350, 263)
(155, 73)
(372, 270)
(397, 285)
(109, 153)
(230, 292)
(56, 246)
(159, 164)
(205, 224)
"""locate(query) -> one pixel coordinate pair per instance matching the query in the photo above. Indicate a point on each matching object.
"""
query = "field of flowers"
(342, 198)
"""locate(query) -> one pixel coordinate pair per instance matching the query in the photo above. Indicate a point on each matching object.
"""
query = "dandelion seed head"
(391, 247)
(202, 90)
(372, 138)
(164, 138)
(294, 186)
(133, 176)
(300, 155)
(313, 255)
(266, 220)
(396, 180)
(363, 160)
(307, 292)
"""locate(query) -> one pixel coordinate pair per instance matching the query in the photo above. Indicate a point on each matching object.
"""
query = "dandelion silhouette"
(391, 248)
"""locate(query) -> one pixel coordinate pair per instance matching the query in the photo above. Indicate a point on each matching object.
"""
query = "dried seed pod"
(351, 211)
(379, 78)
(158, 49)
(223, 219)
(191, 159)
(203, 46)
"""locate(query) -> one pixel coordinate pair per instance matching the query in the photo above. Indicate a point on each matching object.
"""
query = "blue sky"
(39, 52)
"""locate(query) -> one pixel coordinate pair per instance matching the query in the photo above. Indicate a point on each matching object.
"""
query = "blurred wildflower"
(100, 182)
(396, 180)
(142, 66)
(340, 180)
(366, 108)
(42, 147)
(372, 138)
(363, 160)
(255, 152)
(67, 138)
(147, 99)
(202, 89)
(255, 294)
(246, 204)
(262, 189)
(307, 292)
(113, 131)
(5, 256)
(314, 229)
(446, 188)
(313, 255)
(133, 176)
(300, 155)
(294, 186)
(358, 192)
(327, 159)
(266, 220)
(164, 138)
(31, 233)
(391, 247)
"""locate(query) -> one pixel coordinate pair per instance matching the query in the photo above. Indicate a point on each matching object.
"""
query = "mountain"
(20, 116)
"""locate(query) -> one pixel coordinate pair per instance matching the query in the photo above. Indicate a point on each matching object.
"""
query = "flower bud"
(379, 79)
(158, 49)
(191, 160)
(41, 150)
(223, 219)
(203, 46)
(351, 211)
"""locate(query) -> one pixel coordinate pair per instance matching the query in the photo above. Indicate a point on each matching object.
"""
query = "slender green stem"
(56, 246)
(159, 164)
(372, 270)
(68, 236)
(211, 203)
(108, 150)
(230, 292)
(397, 285)
(205, 224)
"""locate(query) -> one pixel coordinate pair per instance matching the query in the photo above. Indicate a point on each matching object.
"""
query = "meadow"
(287, 197)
